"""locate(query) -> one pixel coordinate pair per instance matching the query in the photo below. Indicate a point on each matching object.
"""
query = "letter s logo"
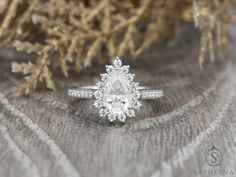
(213, 156)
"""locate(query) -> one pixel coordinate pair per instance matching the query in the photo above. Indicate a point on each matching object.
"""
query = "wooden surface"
(47, 134)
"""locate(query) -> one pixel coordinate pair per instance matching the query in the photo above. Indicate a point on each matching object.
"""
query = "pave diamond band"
(81, 93)
(151, 94)
(116, 96)
(88, 93)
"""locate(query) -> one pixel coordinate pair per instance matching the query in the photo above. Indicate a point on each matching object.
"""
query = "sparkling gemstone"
(117, 95)
(117, 63)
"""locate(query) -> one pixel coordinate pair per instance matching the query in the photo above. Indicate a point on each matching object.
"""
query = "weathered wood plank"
(48, 134)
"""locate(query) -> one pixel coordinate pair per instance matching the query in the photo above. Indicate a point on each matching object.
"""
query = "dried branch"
(78, 31)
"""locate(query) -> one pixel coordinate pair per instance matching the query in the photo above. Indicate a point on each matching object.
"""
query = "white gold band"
(88, 92)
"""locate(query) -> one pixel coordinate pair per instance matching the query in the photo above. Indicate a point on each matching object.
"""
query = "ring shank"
(88, 91)
(149, 94)
(82, 93)
(93, 87)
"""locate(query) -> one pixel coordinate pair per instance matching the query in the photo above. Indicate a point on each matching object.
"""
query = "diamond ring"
(117, 95)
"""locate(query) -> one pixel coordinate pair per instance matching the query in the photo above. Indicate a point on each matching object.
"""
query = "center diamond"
(118, 97)
(117, 94)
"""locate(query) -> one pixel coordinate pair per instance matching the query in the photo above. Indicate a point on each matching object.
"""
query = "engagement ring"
(117, 95)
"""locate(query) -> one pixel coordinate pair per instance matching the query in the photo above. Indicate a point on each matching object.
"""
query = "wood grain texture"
(48, 134)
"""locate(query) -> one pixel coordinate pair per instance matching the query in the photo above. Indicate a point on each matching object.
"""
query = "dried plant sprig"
(34, 72)
(78, 31)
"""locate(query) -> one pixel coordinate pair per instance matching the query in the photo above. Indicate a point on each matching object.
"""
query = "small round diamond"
(117, 62)
(98, 104)
(122, 118)
(125, 69)
(104, 76)
(103, 112)
(97, 94)
(131, 113)
(111, 117)
(109, 68)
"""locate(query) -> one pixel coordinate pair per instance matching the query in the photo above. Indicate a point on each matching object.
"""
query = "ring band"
(87, 92)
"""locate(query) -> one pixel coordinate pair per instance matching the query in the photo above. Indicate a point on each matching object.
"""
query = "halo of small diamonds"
(117, 95)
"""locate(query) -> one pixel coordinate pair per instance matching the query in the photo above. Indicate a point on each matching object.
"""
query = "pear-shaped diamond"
(117, 93)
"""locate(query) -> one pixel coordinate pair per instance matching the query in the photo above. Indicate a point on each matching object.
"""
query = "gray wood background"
(47, 134)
